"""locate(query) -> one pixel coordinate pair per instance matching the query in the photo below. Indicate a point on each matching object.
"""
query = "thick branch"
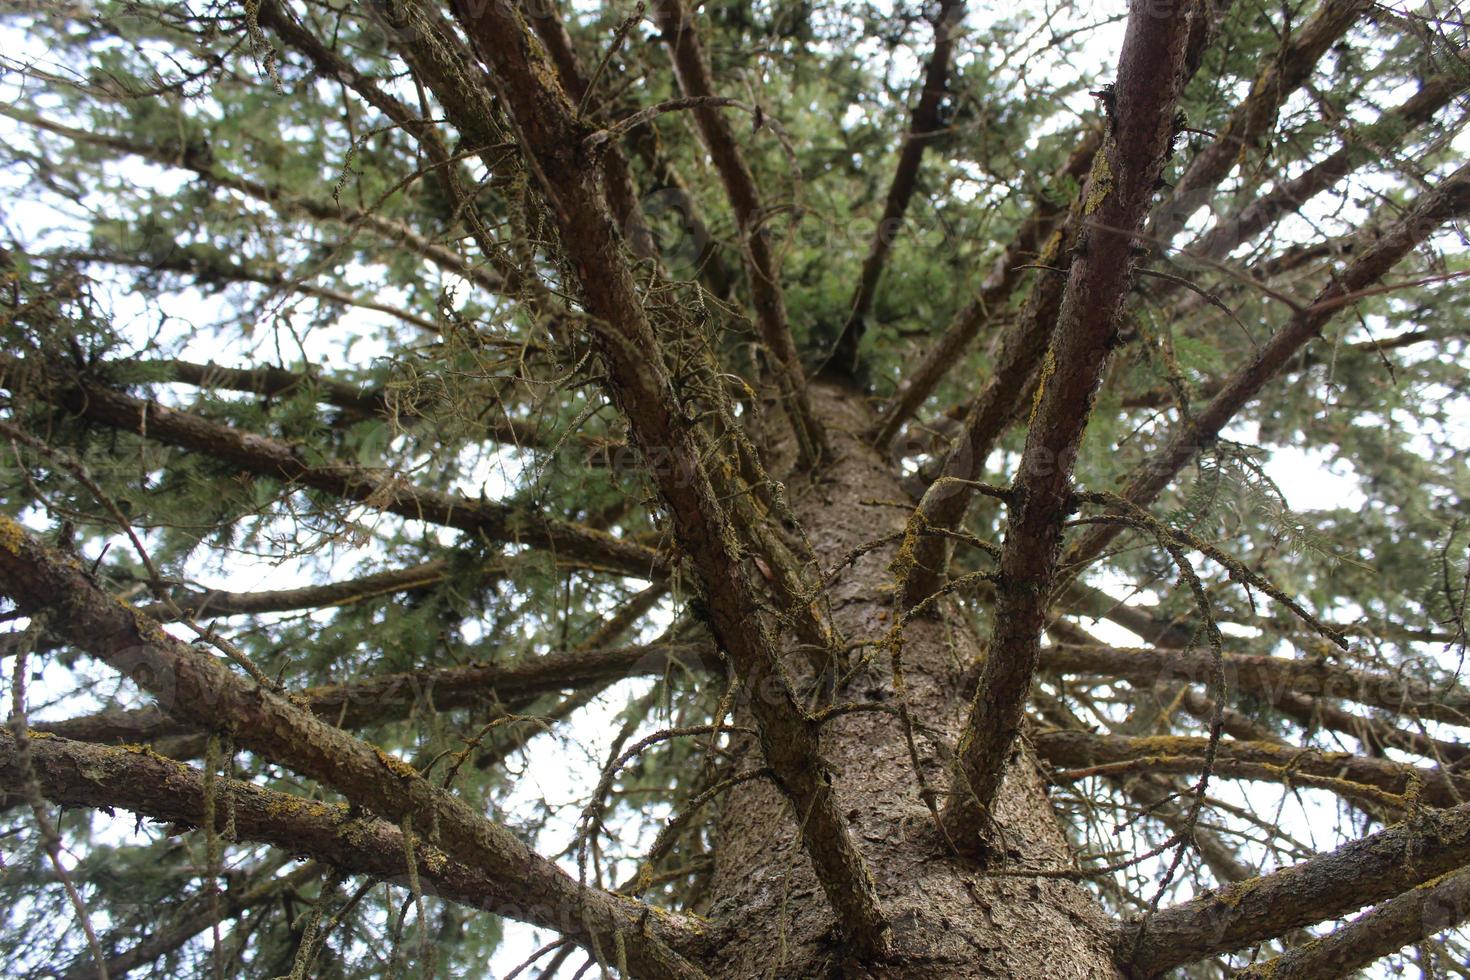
(1357, 874)
(199, 689)
(77, 774)
(1039, 227)
(1418, 914)
(1157, 796)
(1122, 183)
(617, 182)
(642, 388)
(1014, 377)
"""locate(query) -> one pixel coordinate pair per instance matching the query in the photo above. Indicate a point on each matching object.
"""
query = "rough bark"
(1324, 887)
(1141, 132)
(79, 774)
(950, 920)
(198, 688)
(1432, 907)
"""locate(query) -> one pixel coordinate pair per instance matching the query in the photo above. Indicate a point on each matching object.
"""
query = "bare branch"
(1355, 875)
(1401, 921)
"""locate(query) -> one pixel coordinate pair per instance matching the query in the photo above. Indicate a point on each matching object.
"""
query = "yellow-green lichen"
(434, 859)
(1101, 184)
(1048, 368)
(396, 765)
(12, 535)
(1052, 248)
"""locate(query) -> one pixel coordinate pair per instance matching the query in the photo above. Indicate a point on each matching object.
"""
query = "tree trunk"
(949, 918)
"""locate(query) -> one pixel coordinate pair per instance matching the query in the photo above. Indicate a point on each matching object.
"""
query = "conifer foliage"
(733, 490)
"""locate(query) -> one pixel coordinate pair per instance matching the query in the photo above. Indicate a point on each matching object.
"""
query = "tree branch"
(1376, 781)
(554, 142)
(923, 122)
(1401, 921)
(1005, 277)
(197, 161)
(1269, 677)
(1019, 361)
(1122, 183)
(390, 697)
(265, 457)
(1357, 150)
(1357, 874)
(691, 67)
(197, 688)
(77, 774)
(1255, 116)
(1034, 239)
(446, 169)
(211, 269)
(617, 183)
(1449, 199)
(357, 402)
(201, 913)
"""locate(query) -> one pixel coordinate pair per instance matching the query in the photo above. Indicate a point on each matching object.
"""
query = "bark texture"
(950, 920)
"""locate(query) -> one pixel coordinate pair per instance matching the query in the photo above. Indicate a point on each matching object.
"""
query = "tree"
(874, 417)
